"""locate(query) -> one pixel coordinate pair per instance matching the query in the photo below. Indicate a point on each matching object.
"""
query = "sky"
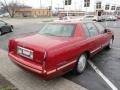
(55, 3)
(44, 3)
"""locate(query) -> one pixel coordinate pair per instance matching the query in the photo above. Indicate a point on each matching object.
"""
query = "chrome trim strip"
(32, 69)
(66, 65)
(52, 71)
(95, 50)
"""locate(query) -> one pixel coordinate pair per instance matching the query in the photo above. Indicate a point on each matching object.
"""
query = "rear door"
(93, 39)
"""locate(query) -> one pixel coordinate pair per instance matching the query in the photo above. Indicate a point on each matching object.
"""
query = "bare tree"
(9, 7)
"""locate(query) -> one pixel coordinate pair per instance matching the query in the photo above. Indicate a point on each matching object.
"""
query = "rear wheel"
(81, 64)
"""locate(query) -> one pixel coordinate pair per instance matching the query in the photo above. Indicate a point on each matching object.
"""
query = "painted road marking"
(115, 48)
(112, 86)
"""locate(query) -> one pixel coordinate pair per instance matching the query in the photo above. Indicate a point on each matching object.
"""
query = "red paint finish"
(52, 55)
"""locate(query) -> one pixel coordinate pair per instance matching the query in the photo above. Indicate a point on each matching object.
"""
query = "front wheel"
(110, 44)
(81, 64)
(11, 29)
(0, 32)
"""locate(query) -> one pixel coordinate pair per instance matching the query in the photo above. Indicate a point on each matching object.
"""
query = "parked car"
(92, 18)
(118, 17)
(67, 18)
(60, 47)
(5, 27)
(110, 17)
(4, 15)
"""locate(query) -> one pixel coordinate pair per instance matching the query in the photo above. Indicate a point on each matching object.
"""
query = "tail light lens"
(40, 56)
(12, 45)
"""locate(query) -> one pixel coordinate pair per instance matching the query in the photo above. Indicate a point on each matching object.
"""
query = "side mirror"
(107, 30)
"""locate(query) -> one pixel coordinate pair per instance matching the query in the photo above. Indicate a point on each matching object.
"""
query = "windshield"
(89, 16)
(64, 30)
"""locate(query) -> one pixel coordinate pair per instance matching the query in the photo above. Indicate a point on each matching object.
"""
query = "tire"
(81, 64)
(11, 29)
(109, 46)
(0, 32)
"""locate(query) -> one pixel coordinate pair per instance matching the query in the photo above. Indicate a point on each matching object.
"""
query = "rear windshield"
(63, 30)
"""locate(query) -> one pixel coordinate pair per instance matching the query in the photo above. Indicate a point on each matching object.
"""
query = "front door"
(94, 38)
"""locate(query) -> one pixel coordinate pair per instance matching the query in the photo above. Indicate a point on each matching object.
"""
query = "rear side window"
(92, 29)
(100, 28)
(86, 30)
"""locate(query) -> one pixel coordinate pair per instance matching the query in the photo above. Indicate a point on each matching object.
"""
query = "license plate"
(25, 52)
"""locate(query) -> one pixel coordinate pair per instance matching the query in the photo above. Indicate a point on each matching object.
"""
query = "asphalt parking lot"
(108, 61)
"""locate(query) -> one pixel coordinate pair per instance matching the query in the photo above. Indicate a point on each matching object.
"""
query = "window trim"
(73, 31)
(89, 30)
(98, 28)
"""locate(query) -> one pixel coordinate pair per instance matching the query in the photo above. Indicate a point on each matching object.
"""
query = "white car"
(4, 15)
(67, 18)
(110, 17)
(92, 18)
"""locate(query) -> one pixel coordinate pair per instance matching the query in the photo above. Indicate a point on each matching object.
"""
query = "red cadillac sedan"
(60, 47)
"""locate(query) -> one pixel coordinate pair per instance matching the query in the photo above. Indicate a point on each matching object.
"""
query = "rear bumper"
(28, 65)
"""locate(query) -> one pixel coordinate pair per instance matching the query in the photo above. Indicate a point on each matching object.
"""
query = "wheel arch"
(113, 37)
(87, 53)
(12, 26)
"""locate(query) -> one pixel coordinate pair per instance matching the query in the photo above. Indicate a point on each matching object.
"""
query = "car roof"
(71, 21)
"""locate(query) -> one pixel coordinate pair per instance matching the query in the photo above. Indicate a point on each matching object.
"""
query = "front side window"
(92, 29)
(64, 30)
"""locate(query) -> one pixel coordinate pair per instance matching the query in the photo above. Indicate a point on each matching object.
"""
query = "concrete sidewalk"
(26, 81)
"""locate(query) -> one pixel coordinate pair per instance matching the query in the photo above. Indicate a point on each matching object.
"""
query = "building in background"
(41, 12)
(23, 11)
(26, 11)
(94, 7)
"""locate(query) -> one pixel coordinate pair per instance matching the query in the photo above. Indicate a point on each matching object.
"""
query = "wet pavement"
(108, 61)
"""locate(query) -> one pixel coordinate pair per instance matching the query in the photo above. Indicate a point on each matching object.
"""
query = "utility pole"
(51, 7)
(40, 4)
(63, 4)
(75, 3)
(51, 4)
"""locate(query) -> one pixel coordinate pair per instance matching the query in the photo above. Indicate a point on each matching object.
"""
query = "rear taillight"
(12, 45)
(40, 56)
(45, 55)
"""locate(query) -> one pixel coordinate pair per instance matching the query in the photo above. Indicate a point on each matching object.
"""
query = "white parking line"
(115, 48)
(113, 87)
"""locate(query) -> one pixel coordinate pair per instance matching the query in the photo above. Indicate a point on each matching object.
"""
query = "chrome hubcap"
(81, 63)
(111, 43)
(11, 29)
